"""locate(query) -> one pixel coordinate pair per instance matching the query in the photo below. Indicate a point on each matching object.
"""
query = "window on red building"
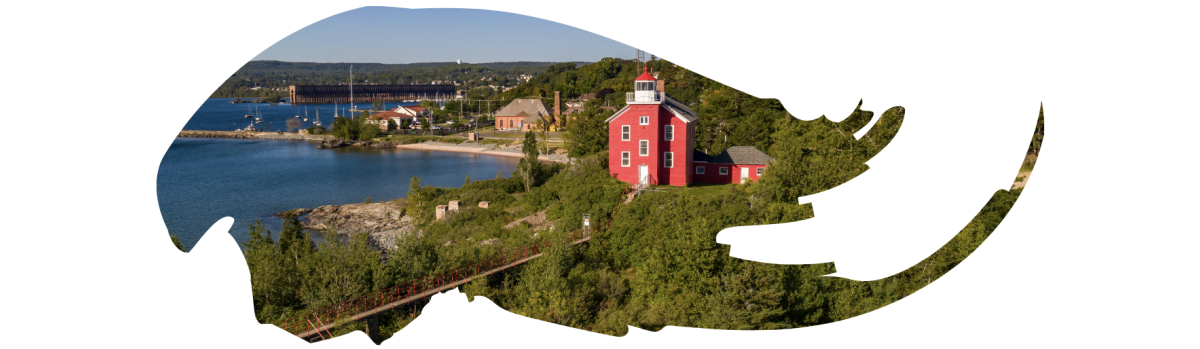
(644, 120)
(669, 159)
(758, 172)
(624, 159)
(699, 169)
(724, 171)
(643, 148)
(624, 132)
(669, 132)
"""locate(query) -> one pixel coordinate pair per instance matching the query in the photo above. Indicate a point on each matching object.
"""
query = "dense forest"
(273, 77)
(677, 276)
(724, 111)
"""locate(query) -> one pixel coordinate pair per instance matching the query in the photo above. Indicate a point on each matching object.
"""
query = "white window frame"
(624, 159)
(643, 148)
(758, 171)
(700, 170)
(724, 171)
(669, 132)
(644, 120)
(669, 159)
(624, 132)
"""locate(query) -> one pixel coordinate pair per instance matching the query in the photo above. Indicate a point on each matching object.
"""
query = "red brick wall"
(681, 146)
(502, 122)
(712, 173)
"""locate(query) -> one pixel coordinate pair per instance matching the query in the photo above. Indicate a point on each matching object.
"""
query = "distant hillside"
(271, 78)
(333, 68)
(279, 67)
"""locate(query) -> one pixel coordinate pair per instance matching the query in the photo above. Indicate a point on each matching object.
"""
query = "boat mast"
(351, 87)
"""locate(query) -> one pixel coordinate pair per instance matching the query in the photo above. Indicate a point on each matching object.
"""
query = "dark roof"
(531, 107)
(671, 102)
(701, 156)
(742, 155)
(672, 105)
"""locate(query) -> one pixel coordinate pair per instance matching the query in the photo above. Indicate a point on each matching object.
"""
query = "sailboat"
(248, 112)
(258, 116)
(305, 113)
(318, 122)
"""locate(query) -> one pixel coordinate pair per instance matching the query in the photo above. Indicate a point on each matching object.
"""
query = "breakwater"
(253, 135)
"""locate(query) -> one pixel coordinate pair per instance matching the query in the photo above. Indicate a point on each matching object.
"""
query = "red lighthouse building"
(651, 141)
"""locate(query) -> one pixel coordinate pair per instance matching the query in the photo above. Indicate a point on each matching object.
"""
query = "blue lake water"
(217, 114)
(201, 180)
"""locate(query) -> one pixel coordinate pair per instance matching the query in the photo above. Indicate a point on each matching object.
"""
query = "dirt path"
(1022, 178)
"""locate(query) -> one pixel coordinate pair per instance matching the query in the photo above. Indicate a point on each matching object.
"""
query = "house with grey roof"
(737, 164)
(521, 114)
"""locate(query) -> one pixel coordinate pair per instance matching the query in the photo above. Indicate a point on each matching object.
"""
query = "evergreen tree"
(529, 165)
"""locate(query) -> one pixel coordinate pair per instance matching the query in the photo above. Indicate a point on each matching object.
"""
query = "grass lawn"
(696, 189)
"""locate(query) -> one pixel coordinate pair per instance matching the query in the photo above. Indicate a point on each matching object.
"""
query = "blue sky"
(395, 35)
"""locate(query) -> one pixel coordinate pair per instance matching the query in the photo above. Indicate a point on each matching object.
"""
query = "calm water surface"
(201, 180)
(217, 114)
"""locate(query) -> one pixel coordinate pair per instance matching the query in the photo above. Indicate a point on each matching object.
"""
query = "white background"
(1097, 251)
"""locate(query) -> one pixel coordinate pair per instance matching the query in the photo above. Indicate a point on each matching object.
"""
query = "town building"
(414, 114)
(412, 110)
(651, 141)
(521, 114)
(381, 119)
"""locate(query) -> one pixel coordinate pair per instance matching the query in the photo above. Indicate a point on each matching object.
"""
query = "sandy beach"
(487, 150)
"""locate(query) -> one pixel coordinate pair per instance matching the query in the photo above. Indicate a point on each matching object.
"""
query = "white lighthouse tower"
(644, 89)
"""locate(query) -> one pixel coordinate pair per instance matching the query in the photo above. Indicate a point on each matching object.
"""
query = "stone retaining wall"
(253, 135)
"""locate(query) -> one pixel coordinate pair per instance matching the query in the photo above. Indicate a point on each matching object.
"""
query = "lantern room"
(645, 89)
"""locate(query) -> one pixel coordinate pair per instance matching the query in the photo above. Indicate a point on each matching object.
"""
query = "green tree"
(425, 125)
(414, 190)
(589, 132)
(529, 165)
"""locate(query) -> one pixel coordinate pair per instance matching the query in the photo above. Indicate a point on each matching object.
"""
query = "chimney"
(557, 108)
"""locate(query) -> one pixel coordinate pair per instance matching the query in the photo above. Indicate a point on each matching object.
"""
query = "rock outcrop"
(385, 222)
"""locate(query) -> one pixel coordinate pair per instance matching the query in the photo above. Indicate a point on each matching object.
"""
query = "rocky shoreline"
(253, 135)
(384, 222)
(337, 143)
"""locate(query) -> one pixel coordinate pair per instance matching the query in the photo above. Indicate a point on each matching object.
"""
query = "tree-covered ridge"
(728, 117)
(272, 77)
(656, 265)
